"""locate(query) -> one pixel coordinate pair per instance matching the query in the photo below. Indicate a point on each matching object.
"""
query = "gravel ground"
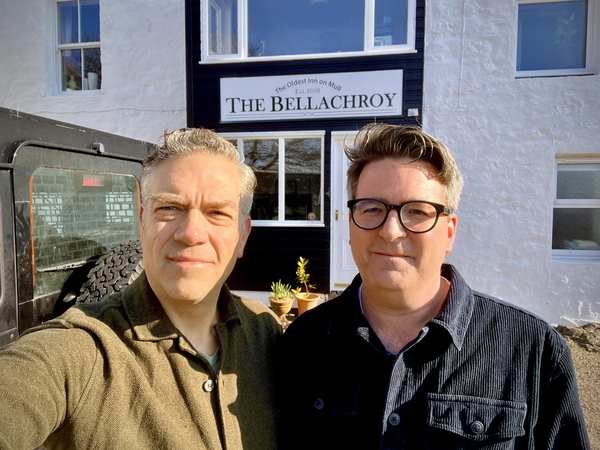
(584, 343)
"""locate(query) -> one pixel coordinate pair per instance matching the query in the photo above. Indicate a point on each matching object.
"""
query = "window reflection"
(552, 35)
(297, 27)
(302, 179)
(391, 22)
(289, 175)
(263, 157)
(80, 65)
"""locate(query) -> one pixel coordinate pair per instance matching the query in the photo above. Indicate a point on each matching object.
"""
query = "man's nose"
(392, 228)
(192, 229)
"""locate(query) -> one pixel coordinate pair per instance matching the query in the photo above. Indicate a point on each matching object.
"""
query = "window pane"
(576, 228)
(263, 156)
(552, 35)
(294, 27)
(92, 68)
(578, 181)
(90, 21)
(68, 24)
(77, 215)
(303, 179)
(390, 22)
(222, 25)
(71, 69)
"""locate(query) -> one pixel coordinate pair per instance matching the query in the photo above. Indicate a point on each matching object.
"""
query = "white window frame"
(574, 255)
(589, 46)
(281, 136)
(72, 46)
(242, 25)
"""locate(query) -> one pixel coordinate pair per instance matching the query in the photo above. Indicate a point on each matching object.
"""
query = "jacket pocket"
(476, 419)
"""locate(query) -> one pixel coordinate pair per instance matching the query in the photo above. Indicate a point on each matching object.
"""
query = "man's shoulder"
(499, 313)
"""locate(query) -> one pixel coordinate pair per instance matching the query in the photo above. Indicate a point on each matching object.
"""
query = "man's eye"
(371, 209)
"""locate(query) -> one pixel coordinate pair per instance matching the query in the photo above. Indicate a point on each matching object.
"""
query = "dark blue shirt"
(481, 374)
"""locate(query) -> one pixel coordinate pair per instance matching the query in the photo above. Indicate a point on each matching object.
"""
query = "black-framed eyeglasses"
(417, 216)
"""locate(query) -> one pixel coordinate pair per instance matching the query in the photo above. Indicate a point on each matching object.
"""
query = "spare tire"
(113, 272)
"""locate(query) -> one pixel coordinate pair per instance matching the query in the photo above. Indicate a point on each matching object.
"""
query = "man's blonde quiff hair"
(378, 141)
(192, 141)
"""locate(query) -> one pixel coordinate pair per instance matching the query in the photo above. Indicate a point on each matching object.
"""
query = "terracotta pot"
(306, 301)
(281, 307)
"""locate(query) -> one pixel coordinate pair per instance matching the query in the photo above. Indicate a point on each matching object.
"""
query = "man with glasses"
(408, 356)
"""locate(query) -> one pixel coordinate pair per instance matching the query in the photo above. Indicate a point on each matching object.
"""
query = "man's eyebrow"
(169, 198)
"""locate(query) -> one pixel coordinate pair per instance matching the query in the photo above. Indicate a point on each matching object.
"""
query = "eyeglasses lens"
(415, 216)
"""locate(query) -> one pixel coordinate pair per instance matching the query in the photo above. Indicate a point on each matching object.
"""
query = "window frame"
(589, 43)
(242, 45)
(573, 255)
(80, 46)
(281, 137)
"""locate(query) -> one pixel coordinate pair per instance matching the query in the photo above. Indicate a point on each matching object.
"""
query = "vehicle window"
(77, 215)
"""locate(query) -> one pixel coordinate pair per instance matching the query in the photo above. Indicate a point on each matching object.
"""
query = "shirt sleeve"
(561, 423)
(42, 378)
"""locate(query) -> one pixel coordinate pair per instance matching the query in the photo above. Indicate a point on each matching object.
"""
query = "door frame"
(342, 268)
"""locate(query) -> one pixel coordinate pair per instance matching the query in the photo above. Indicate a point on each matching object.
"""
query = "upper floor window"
(552, 37)
(289, 170)
(79, 44)
(576, 218)
(255, 29)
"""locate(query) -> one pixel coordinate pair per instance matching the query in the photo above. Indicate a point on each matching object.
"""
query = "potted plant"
(306, 300)
(281, 299)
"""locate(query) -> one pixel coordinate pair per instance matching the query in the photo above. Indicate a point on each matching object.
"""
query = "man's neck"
(197, 323)
(398, 319)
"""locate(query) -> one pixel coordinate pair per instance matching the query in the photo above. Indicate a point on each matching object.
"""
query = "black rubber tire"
(113, 272)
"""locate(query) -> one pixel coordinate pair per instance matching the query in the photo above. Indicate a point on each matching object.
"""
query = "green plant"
(302, 276)
(280, 291)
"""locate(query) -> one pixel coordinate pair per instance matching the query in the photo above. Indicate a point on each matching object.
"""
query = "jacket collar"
(454, 317)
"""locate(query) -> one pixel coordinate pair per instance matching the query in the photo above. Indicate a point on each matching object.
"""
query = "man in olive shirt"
(174, 361)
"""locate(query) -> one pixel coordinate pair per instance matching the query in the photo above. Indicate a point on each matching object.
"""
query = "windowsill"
(297, 223)
(576, 256)
(553, 73)
(225, 59)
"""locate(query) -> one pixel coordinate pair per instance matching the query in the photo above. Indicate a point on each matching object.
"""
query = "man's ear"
(452, 224)
(141, 221)
(244, 233)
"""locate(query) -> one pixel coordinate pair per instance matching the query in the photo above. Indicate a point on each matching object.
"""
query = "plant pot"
(281, 307)
(306, 301)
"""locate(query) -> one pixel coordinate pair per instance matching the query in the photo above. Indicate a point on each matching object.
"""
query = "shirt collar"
(148, 318)
(454, 317)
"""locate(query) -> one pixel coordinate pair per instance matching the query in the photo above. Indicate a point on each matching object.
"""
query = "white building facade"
(141, 90)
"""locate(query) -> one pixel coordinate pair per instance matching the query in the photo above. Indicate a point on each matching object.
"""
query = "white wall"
(505, 133)
(143, 67)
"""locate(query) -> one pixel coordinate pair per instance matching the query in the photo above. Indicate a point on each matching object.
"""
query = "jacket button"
(394, 419)
(208, 385)
(477, 427)
(319, 404)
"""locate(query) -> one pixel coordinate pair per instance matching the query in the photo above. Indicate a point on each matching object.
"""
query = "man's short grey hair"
(191, 141)
(379, 141)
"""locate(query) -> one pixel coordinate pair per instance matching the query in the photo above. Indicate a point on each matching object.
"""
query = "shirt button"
(208, 385)
(477, 427)
(394, 419)
(319, 404)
